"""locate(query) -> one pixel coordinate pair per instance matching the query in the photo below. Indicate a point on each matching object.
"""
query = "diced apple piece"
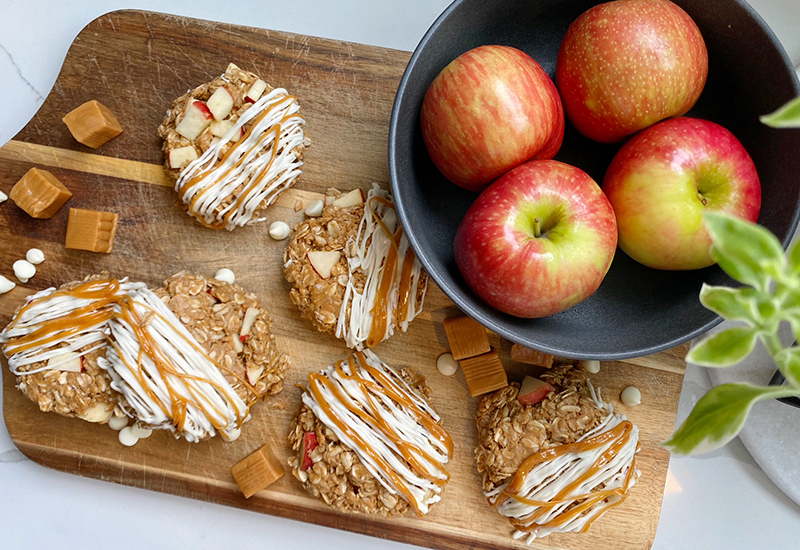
(196, 118)
(247, 323)
(99, 412)
(254, 373)
(181, 157)
(220, 103)
(323, 261)
(237, 343)
(353, 198)
(67, 362)
(533, 390)
(221, 127)
(255, 91)
(309, 444)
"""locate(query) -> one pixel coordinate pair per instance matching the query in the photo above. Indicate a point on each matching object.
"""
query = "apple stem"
(537, 228)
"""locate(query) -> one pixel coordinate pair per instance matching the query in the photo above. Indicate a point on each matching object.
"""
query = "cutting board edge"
(190, 486)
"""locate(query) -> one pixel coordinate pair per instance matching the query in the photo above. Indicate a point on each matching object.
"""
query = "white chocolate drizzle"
(170, 382)
(566, 488)
(394, 431)
(259, 165)
(379, 242)
(53, 322)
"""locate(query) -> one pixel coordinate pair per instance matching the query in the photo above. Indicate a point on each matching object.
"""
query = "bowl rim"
(453, 294)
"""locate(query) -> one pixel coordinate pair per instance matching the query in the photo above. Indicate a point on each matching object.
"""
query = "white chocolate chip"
(279, 230)
(446, 364)
(24, 270)
(631, 396)
(127, 437)
(141, 433)
(225, 275)
(117, 422)
(591, 366)
(35, 256)
(3, 197)
(314, 210)
(6, 285)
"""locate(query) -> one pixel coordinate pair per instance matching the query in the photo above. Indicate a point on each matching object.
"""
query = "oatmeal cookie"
(558, 465)
(509, 432)
(249, 139)
(86, 394)
(63, 375)
(191, 357)
(214, 312)
(334, 470)
(346, 289)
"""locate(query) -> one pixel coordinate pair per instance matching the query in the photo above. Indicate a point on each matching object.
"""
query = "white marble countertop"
(718, 501)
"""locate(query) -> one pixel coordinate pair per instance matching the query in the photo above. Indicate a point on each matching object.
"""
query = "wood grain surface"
(136, 63)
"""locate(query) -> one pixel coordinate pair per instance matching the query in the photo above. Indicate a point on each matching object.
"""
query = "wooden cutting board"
(136, 63)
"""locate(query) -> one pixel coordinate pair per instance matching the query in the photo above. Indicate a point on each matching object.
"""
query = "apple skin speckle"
(489, 110)
(627, 64)
(664, 178)
(514, 271)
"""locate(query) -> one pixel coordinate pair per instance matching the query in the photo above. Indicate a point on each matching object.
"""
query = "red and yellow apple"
(627, 64)
(488, 111)
(662, 181)
(538, 241)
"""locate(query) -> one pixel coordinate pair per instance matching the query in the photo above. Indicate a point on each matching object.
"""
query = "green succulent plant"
(787, 116)
(770, 296)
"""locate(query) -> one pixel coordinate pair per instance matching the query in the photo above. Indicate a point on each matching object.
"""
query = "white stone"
(225, 275)
(35, 256)
(631, 396)
(24, 270)
(446, 364)
(314, 210)
(127, 437)
(279, 230)
(591, 366)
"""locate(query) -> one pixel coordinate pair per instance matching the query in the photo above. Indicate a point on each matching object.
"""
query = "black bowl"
(637, 310)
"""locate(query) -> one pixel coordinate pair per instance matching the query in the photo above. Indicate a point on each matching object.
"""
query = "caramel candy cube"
(259, 470)
(467, 337)
(92, 124)
(484, 373)
(39, 194)
(529, 356)
(91, 230)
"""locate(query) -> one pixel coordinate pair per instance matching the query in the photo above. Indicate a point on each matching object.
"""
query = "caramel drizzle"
(618, 436)
(409, 451)
(398, 395)
(106, 294)
(179, 402)
(245, 157)
(380, 308)
(98, 312)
